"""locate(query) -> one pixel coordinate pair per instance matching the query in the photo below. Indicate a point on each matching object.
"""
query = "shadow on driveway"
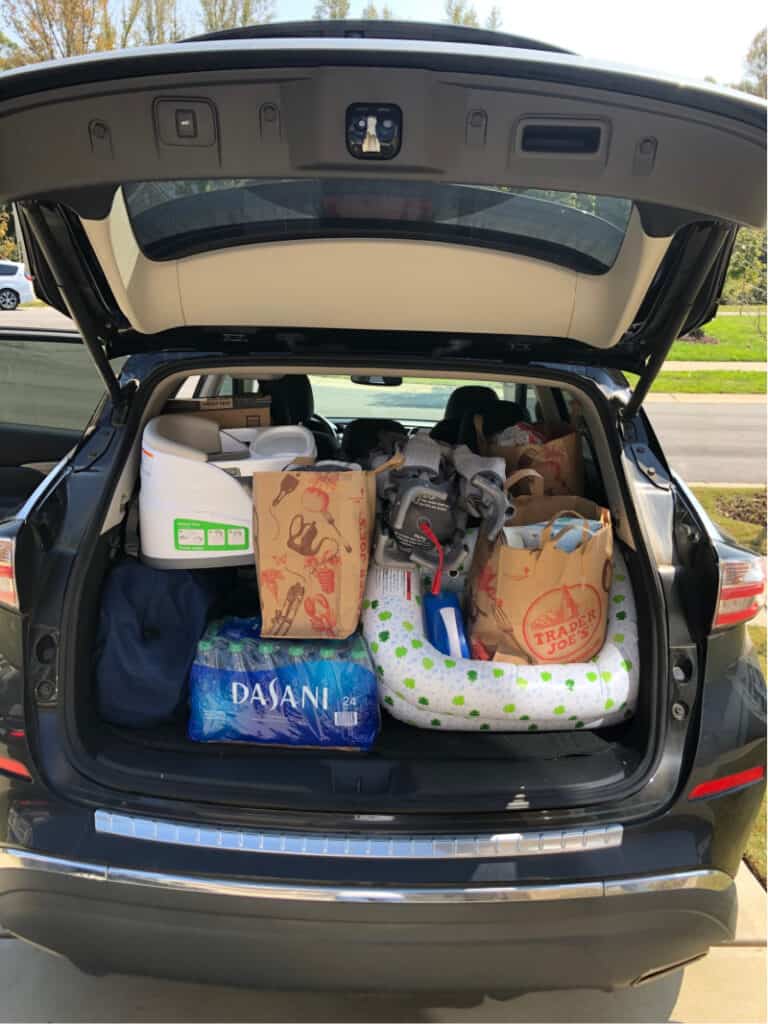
(36, 986)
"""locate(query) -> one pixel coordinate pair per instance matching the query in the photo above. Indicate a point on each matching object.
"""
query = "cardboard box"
(226, 410)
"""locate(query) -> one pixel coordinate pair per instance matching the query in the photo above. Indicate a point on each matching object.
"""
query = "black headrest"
(469, 398)
(447, 431)
(292, 399)
(361, 437)
(495, 419)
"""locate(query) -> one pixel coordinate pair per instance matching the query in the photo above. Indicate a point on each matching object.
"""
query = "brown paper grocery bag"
(559, 460)
(312, 536)
(549, 606)
(537, 507)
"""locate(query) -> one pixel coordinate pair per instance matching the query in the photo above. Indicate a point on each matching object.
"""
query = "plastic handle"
(450, 621)
(437, 581)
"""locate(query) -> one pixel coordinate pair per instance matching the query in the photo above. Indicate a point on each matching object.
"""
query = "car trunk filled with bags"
(454, 587)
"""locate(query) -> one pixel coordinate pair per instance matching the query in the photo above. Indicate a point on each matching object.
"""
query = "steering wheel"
(321, 425)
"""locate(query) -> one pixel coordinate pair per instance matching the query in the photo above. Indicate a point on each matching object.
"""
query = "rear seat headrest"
(292, 398)
(469, 398)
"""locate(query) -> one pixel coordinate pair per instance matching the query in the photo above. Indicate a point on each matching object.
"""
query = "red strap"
(437, 581)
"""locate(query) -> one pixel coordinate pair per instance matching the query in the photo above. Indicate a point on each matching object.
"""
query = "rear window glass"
(177, 218)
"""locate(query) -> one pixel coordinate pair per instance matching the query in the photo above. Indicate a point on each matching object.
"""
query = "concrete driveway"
(35, 318)
(727, 987)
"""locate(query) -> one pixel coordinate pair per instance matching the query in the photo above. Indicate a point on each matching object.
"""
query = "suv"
(15, 285)
(364, 219)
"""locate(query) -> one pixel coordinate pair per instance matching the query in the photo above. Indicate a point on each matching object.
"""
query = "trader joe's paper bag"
(537, 507)
(548, 605)
(558, 460)
(312, 532)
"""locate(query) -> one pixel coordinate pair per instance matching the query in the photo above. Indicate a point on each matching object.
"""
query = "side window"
(532, 404)
(237, 386)
(7, 270)
(47, 384)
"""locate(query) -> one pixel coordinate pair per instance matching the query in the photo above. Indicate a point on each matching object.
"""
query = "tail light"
(8, 766)
(728, 783)
(29, 278)
(9, 596)
(742, 590)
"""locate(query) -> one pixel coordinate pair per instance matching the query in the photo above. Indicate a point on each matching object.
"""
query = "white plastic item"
(196, 499)
(276, 447)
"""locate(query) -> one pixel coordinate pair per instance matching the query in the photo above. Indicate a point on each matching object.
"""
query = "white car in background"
(15, 285)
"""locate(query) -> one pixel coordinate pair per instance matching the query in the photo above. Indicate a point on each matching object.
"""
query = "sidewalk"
(704, 399)
(675, 364)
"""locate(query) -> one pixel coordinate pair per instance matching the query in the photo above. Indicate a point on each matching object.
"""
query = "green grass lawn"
(737, 339)
(718, 501)
(742, 309)
(721, 505)
(708, 382)
(34, 302)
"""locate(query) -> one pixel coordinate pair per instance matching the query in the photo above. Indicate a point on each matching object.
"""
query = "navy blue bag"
(149, 625)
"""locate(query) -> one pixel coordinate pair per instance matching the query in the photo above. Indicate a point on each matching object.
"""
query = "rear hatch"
(564, 210)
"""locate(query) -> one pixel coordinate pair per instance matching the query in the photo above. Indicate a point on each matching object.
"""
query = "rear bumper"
(507, 938)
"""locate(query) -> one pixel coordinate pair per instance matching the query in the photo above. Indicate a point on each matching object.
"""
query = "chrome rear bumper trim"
(23, 860)
(361, 846)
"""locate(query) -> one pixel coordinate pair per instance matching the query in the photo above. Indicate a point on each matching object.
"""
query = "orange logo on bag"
(564, 624)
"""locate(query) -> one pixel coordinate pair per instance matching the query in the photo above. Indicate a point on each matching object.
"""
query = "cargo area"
(417, 759)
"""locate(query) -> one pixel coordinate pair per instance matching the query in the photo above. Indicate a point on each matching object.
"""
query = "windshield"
(416, 400)
(177, 218)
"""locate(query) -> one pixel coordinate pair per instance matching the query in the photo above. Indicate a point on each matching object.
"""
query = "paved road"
(713, 442)
(42, 318)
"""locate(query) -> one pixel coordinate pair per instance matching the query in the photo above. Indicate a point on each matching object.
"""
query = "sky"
(679, 37)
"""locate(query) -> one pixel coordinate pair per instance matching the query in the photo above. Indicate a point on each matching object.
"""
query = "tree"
(8, 248)
(332, 10)
(461, 12)
(754, 80)
(52, 29)
(494, 19)
(745, 282)
(157, 22)
(222, 14)
(9, 53)
(128, 18)
(371, 12)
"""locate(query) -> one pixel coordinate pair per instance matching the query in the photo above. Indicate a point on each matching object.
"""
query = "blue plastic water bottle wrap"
(304, 693)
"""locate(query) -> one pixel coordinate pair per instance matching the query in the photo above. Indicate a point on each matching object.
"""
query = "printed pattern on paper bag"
(311, 532)
(564, 623)
(548, 605)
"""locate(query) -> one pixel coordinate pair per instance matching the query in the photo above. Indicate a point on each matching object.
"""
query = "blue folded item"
(303, 693)
(571, 539)
(150, 621)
